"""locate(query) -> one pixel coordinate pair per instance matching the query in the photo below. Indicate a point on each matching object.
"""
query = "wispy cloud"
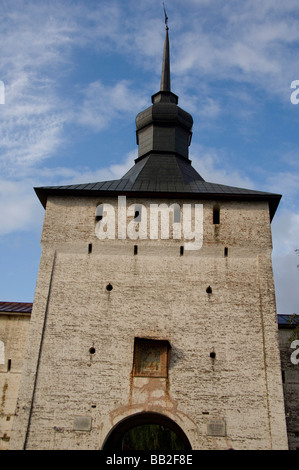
(213, 165)
(242, 41)
(237, 41)
(101, 104)
(227, 58)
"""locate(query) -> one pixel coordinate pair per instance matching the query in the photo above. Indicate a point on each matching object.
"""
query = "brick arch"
(114, 438)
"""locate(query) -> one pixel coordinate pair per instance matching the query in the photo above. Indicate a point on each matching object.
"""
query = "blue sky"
(76, 74)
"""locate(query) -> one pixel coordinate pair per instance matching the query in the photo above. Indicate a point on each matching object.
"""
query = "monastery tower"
(154, 305)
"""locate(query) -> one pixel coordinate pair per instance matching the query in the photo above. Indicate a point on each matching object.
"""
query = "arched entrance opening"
(147, 431)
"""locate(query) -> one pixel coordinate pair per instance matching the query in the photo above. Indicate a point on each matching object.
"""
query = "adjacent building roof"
(16, 307)
(288, 320)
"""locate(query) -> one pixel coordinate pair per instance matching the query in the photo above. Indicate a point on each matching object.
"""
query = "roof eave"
(272, 199)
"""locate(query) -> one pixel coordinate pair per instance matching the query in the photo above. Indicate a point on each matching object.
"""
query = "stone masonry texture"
(158, 293)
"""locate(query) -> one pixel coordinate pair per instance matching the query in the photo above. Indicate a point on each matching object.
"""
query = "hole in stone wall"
(137, 213)
(135, 249)
(89, 248)
(181, 250)
(216, 215)
(209, 290)
(212, 355)
(225, 251)
(99, 212)
(92, 350)
(109, 287)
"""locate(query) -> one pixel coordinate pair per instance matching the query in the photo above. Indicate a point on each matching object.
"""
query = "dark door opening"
(147, 431)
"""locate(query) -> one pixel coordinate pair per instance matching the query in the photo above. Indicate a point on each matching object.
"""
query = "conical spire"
(165, 77)
(164, 128)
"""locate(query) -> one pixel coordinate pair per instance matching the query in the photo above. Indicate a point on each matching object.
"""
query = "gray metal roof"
(161, 176)
(163, 168)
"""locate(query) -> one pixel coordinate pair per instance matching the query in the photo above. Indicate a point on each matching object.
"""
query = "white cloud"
(19, 210)
(213, 166)
(250, 42)
(242, 41)
(82, 175)
(104, 103)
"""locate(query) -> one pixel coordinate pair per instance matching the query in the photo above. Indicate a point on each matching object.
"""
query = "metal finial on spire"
(166, 17)
(165, 78)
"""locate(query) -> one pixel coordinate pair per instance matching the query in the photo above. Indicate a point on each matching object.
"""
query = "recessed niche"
(216, 215)
(99, 212)
(151, 357)
(137, 213)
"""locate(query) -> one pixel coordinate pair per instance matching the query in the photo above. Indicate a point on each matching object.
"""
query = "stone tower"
(154, 305)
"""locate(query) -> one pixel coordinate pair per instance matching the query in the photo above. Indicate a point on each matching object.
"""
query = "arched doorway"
(147, 431)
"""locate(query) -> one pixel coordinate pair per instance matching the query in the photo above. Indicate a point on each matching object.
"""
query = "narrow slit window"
(137, 213)
(135, 249)
(89, 248)
(99, 212)
(181, 250)
(225, 251)
(177, 214)
(216, 215)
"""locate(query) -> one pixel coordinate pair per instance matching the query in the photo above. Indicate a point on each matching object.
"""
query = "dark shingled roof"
(288, 320)
(16, 307)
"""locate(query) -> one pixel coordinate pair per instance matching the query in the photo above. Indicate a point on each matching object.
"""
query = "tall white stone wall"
(161, 294)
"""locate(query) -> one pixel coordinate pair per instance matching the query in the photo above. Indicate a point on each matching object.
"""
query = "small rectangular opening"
(137, 214)
(177, 214)
(226, 251)
(135, 249)
(8, 365)
(216, 215)
(181, 250)
(89, 248)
